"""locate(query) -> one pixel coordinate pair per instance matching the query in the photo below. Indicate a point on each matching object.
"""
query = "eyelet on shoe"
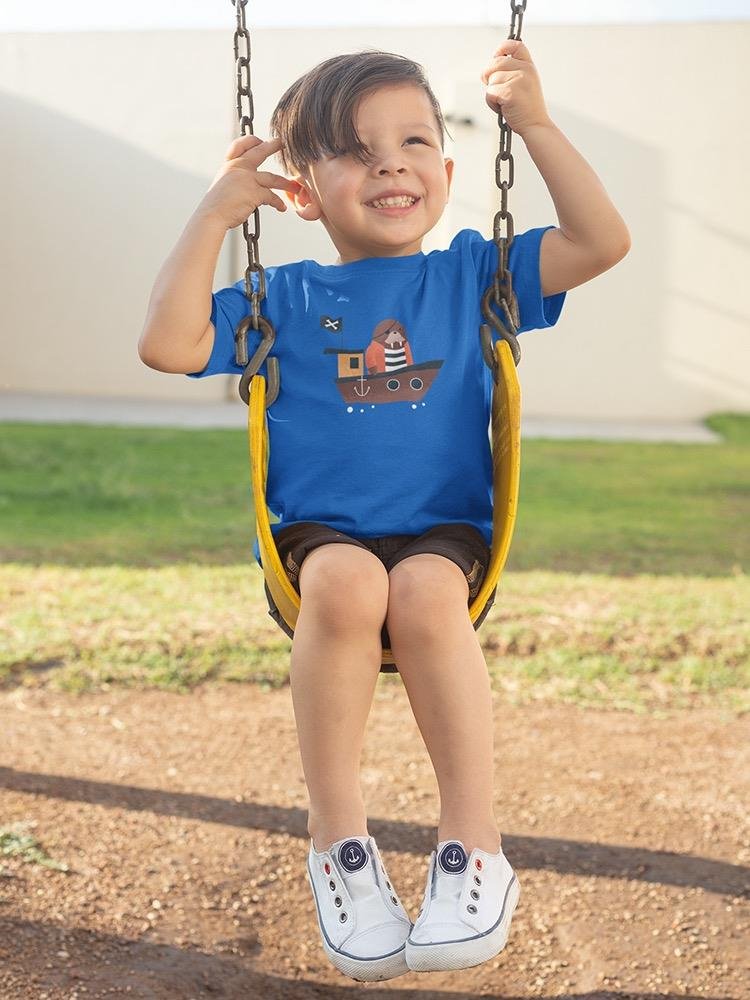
(343, 917)
(332, 885)
(474, 894)
(394, 900)
(337, 901)
(327, 868)
(388, 884)
(477, 880)
(471, 908)
(478, 863)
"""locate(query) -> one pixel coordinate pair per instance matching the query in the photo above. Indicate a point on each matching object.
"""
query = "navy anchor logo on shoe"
(453, 859)
(352, 856)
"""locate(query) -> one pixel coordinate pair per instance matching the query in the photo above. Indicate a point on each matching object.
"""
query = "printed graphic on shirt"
(385, 372)
(334, 325)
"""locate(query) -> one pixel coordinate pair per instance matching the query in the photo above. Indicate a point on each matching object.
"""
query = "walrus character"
(389, 349)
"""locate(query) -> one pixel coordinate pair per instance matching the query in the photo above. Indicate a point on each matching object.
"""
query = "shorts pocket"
(474, 578)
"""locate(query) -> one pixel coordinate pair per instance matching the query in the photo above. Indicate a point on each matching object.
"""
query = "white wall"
(110, 140)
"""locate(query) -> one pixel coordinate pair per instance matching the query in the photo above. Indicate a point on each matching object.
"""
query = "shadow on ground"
(571, 857)
(162, 972)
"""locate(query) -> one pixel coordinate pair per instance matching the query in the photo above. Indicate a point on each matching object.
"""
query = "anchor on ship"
(407, 384)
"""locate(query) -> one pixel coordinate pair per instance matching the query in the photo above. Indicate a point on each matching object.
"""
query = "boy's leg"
(446, 679)
(336, 657)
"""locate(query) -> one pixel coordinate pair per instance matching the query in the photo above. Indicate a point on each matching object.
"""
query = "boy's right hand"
(239, 187)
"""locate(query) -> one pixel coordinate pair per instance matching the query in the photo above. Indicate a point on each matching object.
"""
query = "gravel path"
(183, 821)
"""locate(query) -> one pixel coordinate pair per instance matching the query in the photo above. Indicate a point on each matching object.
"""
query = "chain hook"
(251, 233)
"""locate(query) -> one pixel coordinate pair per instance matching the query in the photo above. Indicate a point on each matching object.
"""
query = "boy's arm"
(178, 334)
(592, 236)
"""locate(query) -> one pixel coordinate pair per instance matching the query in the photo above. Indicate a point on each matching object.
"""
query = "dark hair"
(315, 117)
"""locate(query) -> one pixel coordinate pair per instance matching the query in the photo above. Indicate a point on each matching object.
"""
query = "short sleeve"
(536, 311)
(228, 307)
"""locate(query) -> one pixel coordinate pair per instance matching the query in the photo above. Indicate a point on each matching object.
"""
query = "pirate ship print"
(385, 372)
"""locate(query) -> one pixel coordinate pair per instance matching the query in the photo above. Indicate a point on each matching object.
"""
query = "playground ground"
(181, 819)
(152, 809)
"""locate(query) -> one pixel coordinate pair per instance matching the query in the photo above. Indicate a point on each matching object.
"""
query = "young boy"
(380, 465)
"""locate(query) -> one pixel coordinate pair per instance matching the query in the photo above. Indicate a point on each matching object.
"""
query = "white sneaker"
(466, 912)
(363, 925)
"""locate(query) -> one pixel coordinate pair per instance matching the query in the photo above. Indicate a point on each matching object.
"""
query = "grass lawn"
(625, 642)
(127, 557)
(82, 496)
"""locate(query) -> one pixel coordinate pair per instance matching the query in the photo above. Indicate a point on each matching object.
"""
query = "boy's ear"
(303, 200)
(449, 172)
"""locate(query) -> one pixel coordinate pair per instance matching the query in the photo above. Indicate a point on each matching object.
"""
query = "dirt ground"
(183, 821)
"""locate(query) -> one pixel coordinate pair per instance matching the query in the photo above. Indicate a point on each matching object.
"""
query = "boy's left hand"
(513, 86)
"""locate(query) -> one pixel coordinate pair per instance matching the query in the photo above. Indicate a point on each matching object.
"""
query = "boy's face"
(398, 126)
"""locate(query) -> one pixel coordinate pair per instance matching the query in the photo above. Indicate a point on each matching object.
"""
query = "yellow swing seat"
(506, 462)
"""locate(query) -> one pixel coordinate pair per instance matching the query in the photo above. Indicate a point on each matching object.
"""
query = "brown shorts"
(463, 544)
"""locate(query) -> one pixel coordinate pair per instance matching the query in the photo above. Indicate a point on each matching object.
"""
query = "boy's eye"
(416, 138)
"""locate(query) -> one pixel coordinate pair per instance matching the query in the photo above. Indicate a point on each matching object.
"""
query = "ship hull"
(405, 385)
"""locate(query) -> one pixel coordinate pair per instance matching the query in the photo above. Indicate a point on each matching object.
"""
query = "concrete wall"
(110, 140)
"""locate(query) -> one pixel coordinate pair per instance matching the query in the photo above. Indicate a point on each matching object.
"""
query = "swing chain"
(500, 293)
(245, 116)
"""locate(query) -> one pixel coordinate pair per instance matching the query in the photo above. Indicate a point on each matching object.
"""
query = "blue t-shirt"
(381, 423)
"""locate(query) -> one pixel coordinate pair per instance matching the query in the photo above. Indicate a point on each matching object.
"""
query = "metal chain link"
(501, 293)
(245, 116)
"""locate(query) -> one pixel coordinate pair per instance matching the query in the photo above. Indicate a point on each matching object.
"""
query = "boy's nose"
(391, 166)
(391, 162)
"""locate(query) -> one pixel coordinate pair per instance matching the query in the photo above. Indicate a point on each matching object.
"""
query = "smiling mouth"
(400, 201)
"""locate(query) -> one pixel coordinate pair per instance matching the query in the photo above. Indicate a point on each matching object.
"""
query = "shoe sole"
(369, 970)
(448, 955)
(364, 970)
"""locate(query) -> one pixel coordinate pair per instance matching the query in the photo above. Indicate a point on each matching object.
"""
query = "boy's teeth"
(402, 201)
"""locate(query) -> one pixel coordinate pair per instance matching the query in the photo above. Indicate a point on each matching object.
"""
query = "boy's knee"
(345, 585)
(425, 592)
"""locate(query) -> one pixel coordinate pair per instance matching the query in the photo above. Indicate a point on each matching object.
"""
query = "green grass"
(128, 562)
(638, 642)
(79, 495)
(623, 508)
(16, 841)
(85, 495)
